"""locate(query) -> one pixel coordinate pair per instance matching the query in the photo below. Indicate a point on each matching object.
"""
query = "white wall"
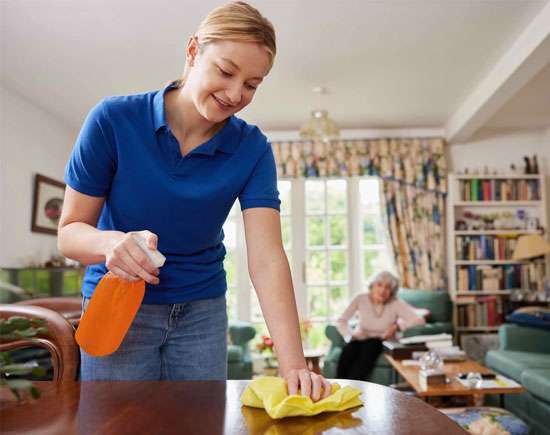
(31, 141)
(497, 149)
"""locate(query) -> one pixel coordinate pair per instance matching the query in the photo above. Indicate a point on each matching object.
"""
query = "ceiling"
(386, 64)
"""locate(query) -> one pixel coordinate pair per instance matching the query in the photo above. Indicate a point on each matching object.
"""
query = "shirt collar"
(159, 118)
(226, 140)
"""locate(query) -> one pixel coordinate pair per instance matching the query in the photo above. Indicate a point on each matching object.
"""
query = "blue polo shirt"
(126, 153)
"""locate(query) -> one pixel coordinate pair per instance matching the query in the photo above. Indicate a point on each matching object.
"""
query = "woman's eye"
(250, 87)
(225, 73)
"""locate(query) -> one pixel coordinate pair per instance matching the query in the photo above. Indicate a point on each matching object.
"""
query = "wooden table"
(206, 407)
(454, 388)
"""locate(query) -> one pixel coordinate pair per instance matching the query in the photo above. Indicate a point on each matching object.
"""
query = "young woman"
(379, 311)
(169, 165)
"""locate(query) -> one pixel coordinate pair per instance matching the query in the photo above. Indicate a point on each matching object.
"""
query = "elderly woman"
(381, 315)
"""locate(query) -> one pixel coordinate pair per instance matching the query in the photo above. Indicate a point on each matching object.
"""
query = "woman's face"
(224, 77)
(380, 292)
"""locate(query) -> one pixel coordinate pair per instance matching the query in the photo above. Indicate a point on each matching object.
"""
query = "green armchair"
(239, 361)
(439, 321)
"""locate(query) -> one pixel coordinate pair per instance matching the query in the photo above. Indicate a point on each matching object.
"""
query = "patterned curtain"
(414, 174)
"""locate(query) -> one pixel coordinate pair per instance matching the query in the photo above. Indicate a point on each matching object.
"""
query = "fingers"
(309, 384)
(138, 261)
(150, 238)
(316, 387)
(327, 388)
(305, 382)
(127, 257)
(292, 382)
(121, 274)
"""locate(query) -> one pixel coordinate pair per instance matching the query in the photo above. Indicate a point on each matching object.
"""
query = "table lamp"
(530, 246)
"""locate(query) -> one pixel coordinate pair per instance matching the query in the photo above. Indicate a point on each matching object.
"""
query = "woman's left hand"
(309, 383)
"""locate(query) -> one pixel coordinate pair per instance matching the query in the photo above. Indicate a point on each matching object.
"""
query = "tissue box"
(431, 377)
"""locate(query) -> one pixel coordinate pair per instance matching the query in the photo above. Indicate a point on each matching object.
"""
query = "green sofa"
(239, 361)
(439, 321)
(524, 355)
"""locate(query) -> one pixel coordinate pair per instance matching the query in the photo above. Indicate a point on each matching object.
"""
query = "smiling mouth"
(221, 103)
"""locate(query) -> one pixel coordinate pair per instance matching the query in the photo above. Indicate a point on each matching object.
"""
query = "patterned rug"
(487, 421)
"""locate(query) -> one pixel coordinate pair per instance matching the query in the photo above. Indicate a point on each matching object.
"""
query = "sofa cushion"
(512, 363)
(537, 382)
(437, 302)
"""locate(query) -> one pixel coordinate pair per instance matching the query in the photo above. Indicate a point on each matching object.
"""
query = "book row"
(499, 190)
(510, 276)
(485, 247)
(485, 311)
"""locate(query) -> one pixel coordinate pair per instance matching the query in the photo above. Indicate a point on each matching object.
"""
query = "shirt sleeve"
(92, 163)
(343, 321)
(261, 188)
(407, 316)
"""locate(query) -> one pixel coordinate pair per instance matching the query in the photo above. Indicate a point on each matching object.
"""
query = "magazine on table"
(498, 382)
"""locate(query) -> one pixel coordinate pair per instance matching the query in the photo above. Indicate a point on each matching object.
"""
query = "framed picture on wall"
(47, 204)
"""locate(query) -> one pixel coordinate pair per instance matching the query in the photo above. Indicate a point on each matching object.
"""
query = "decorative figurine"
(534, 165)
(527, 165)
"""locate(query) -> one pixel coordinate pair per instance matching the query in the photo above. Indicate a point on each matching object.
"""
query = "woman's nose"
(234, 94)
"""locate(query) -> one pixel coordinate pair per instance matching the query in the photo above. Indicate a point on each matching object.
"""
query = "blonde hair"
(235, 21)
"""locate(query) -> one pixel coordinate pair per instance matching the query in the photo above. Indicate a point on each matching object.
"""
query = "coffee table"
(454, 388)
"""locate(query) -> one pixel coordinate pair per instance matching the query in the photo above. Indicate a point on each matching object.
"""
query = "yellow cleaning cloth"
(271, 394)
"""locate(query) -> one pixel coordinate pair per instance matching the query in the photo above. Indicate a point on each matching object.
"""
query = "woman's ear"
(192, 50)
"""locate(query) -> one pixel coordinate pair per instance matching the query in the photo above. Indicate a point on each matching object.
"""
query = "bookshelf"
(485, 216)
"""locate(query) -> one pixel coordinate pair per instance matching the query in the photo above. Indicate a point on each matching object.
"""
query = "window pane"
(316, 267)
(338, 230)
(285, 231)
(315, 231)
(284, 188)
(336, 196)
(376, 261)
(338, 301)
(315, 196)
(230, 269)
(369, 189)
(317, 302)
(231, 297)
(316, 338)
(373, 230)
(338, 266)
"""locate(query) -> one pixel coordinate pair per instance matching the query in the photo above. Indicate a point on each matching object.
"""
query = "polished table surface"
(207, 407)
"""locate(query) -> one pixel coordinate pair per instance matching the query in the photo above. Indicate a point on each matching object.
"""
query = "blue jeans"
(186, 341)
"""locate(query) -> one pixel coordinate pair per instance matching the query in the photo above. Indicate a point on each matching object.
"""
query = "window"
(335, 237)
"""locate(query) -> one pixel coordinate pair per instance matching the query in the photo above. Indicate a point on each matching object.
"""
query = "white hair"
(386, 277)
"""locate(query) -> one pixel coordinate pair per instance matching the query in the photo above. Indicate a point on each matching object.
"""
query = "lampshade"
(530, 246)
(319, 127)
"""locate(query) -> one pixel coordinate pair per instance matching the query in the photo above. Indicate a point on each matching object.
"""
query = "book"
(400, 351)
(439, 343)
(425, 338)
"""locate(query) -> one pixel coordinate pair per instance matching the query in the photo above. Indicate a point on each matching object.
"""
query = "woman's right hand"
(127, 260)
